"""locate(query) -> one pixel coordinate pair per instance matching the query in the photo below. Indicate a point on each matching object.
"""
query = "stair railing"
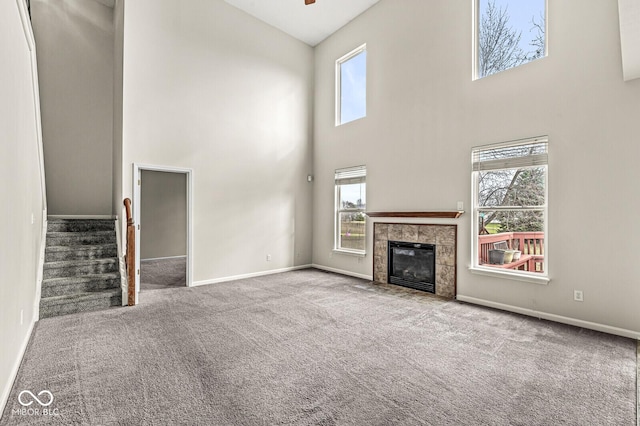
(130, 257)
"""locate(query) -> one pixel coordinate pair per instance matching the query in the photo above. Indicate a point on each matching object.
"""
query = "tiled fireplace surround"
(443, 236)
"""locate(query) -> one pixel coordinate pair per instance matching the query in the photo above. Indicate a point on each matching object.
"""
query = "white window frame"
(348, 176)
(538, 160)
(476, 39)
(355, 52)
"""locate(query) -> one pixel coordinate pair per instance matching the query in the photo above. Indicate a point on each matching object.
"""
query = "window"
(350, 222)
(351, 86)
(510, 208)
(509, 33)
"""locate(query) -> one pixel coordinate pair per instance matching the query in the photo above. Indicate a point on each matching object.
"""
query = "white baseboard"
(251, 275)
(552, 317)
(342, 272)
(164, 258)
(71, 216)
(6, 392)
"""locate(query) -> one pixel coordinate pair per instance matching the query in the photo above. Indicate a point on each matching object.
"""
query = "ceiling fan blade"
(308, 2)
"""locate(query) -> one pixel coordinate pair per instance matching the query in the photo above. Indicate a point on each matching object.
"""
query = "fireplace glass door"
(412, 265)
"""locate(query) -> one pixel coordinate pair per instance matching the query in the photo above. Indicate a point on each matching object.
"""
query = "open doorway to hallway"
(163, 232)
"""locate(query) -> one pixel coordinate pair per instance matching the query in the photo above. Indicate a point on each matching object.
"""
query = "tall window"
(351, 202)
(510, 207)
(509, 33)
(351, 86)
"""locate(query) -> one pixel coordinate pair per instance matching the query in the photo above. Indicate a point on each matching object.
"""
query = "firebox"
(412, 265)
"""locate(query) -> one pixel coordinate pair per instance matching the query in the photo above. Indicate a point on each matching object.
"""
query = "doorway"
(162, 213)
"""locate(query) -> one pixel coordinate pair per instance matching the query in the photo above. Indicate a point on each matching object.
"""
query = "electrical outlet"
(268, 258)
(578, 296)
(460, 206)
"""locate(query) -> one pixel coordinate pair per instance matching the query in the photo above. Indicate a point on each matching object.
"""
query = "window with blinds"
(351, 202)
(510, 206)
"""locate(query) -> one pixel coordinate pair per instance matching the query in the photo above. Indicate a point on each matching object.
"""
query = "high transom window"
(351, 86)
(509, 33)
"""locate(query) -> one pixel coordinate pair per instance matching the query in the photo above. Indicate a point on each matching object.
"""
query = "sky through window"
(353, 88)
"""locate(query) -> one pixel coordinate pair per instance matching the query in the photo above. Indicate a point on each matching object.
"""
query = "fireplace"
(443, 237)
(412, 265)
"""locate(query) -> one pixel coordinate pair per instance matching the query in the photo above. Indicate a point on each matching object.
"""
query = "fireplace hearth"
(412, 265)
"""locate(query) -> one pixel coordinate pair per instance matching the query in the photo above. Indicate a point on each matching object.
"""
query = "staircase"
(81, 269)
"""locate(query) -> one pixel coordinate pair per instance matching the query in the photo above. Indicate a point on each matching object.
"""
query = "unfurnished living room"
(350, 212)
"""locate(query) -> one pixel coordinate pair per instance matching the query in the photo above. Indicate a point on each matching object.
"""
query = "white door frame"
(137, 172)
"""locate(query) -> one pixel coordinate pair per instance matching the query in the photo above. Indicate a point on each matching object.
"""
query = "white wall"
(75, 41)
(425, 114)
(22, 193)
(208, 87)
(629, 12)
(163, 214)
(118, 51)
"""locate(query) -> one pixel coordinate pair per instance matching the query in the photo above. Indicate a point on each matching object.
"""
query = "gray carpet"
(158, 274)
(310, 347)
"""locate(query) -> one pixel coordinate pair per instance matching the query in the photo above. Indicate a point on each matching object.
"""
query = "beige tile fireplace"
(444, 237)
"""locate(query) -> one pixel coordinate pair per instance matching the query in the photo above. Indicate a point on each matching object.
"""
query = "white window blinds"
(517, 154)
(351, 175)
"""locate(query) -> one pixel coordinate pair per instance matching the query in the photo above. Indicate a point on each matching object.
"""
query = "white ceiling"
(312, 23)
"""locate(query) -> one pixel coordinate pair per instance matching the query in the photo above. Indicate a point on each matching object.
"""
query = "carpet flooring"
(315, 348)
(159, 274)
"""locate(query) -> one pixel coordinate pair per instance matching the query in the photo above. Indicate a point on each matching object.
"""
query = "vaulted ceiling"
(309, 23)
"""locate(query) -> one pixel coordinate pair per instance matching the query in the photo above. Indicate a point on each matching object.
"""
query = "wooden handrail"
(130, 257)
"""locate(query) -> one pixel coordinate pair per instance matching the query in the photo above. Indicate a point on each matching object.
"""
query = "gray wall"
(209, 88)
(163, 214)
(75, 40)
(425, 113)
(22, 207)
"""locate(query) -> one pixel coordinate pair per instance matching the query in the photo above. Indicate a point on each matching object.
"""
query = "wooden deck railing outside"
(531, 244)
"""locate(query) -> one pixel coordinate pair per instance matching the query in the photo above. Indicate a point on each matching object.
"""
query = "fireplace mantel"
(442, 214)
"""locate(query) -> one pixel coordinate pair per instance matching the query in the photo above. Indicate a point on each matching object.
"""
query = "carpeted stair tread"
(80, 267)
(84, 262)
(79, 238)
(79, 302)
(80, 284)
(81, 262)
(80, 225)
(80, 252)
(81, 247)
(80, 297)
(54, 281)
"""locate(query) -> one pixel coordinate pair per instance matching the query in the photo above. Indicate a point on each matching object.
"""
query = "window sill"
(525, 277)
(350, 252)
